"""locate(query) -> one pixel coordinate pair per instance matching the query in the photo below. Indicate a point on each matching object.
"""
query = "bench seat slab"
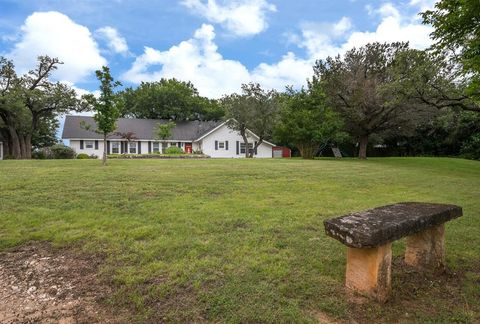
(378, 226)
(369, 271)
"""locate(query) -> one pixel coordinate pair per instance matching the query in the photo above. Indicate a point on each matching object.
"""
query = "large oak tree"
(358, 87)
(30, 102)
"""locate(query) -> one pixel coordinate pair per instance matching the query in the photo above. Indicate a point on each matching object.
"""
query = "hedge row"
(157, 156)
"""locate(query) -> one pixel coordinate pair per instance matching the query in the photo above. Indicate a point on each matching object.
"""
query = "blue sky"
(216, 44)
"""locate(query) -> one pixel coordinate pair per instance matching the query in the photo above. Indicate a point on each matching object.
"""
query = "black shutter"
(96, 145)
(255, 147)
(139, 147)
(226, 145)
(216, 145)
(81, 144)
(238, 147)
(121, 147)
(108, 147)
(179, 144)
(149, 147)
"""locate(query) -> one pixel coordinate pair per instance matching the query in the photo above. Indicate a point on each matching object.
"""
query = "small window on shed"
(156, 147)
(221, 145)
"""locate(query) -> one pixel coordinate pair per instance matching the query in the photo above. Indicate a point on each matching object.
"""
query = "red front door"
(188, 148)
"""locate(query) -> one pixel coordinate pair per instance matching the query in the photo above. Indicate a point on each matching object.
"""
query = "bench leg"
(426, 250)
(369, 271)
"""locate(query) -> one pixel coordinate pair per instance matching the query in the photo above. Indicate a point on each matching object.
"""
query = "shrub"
(83, 156)
(60, 151)
(471, 148)
(40, 154)
(174, 150)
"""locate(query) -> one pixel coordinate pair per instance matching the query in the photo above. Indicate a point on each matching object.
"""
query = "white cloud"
(322, 40)
(423, 4)
(392, 28)
(242, 18)
(53, 33)
(115, 41)
(289, 71)
(196, 60)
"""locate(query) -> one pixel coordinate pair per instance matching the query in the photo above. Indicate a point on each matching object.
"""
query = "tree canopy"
(169, 99)
(255, 110)
(31, 102)
(359, 88)
(306, 121)
(456, 34)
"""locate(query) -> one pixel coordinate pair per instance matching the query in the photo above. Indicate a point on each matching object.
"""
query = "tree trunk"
(14, 143)
(23, 146)
(28, 146)
(245, 140)
(104, 158)
(362, 150)
(255, 147)
(307, 150)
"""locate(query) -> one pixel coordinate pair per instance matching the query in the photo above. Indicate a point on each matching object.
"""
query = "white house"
(215, 139)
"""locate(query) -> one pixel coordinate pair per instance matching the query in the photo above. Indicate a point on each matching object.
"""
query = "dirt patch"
(41, 284)
(421, 296)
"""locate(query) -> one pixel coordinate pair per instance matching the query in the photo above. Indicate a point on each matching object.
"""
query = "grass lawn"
(243, 240)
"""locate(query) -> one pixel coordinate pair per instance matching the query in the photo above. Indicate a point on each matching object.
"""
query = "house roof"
(142, 128)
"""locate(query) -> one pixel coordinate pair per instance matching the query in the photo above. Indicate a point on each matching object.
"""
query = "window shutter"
(238, 147)
(149, 147)
(216, 145)
(255, 147)
(108, 147)
(96, 145)
(226, 145)
(121, 148)
(81, 144)
(139, 147)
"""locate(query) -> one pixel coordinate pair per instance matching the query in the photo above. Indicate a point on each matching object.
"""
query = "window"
(156, 147)
(132, 147)
(115, 147)
(89, 144)
(242, 147)
(221, 145)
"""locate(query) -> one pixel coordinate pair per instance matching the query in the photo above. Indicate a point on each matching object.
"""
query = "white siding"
(1, 150)
(226, 134)
(75, 145)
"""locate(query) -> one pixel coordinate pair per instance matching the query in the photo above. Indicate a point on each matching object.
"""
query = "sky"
(216, 44)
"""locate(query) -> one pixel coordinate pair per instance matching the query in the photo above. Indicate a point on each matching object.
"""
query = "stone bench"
(369, 236)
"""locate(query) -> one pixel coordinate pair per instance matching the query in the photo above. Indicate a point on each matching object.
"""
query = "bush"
(60, 151)
(174, 150)
(40, 154)
(83, 156)
(471, 148)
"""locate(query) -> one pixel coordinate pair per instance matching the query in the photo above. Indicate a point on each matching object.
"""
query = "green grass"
(241, 240)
